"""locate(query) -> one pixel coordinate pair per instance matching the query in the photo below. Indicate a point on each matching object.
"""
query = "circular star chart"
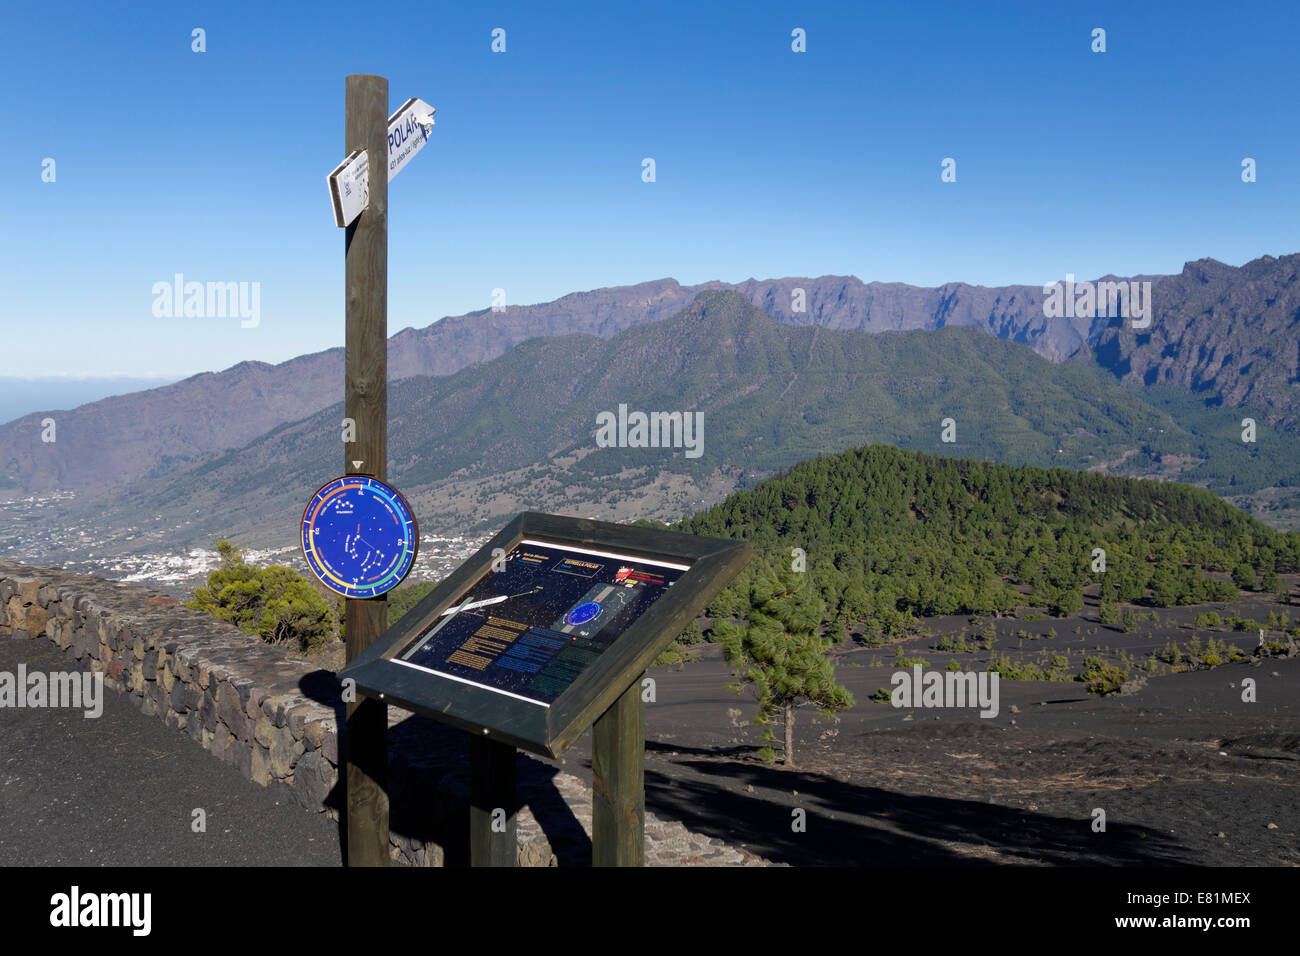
(582, 614)
(359, 536)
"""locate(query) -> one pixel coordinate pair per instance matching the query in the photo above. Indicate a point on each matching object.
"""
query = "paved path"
(120, 790)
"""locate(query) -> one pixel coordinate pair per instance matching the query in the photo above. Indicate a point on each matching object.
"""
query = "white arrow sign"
(349, 184)
(350, 187)
(408, 131)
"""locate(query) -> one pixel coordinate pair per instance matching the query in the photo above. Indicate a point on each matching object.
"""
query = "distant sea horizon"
(22, 396)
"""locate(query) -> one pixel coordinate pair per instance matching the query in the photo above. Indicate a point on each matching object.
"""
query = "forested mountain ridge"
(890, 535)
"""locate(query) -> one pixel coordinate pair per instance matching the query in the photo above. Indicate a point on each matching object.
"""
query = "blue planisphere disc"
(359, 536)
(582, 614)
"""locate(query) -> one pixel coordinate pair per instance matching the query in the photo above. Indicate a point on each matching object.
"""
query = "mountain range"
(1229, 334)
(494, 412)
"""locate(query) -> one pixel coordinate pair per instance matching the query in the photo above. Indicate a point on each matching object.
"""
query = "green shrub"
(1108, 614)
(954, 645)
(1058, 668)
(401, 600)
(1008, 669)
(674, 653)
(276, 603)
(1102, 677)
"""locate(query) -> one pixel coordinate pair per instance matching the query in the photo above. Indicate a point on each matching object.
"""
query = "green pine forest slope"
(891, 535)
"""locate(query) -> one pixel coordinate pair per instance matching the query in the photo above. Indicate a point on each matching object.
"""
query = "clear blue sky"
(769, 163)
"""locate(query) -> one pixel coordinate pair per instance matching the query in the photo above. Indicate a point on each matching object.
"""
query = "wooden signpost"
(378, 147)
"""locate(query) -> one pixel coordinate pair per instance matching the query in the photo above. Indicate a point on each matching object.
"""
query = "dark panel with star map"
(532, 638)
(530, 628)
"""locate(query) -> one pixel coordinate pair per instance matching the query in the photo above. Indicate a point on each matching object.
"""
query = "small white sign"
(408, 131)
(350, 187)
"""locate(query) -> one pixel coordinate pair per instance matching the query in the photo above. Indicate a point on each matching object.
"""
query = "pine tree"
(229, 555)
(1108, 612)
(276, 603)
(781, 652)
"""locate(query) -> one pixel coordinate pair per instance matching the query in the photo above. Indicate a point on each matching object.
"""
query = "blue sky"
(769, 163)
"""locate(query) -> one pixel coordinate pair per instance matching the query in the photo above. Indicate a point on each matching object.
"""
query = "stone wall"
(272, 716)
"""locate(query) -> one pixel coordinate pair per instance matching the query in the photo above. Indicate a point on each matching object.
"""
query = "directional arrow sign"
(350, 187)
(408, 131)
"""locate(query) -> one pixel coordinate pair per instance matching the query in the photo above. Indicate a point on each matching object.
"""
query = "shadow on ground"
(854, 825)
(429, 785)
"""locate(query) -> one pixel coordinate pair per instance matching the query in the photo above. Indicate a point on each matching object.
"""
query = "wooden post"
(492, 789)
(365, 739)
(618, 782)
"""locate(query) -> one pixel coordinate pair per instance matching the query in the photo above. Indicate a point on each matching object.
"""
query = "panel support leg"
(492, 806)
(618, 782)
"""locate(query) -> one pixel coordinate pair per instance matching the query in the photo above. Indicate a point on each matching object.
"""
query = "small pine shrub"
(1102, 677)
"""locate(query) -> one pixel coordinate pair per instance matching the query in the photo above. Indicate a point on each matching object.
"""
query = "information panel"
(529, 629)
(536, 635)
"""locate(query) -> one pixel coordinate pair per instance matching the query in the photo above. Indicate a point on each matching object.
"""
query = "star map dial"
(582, 614)
(359, 536)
